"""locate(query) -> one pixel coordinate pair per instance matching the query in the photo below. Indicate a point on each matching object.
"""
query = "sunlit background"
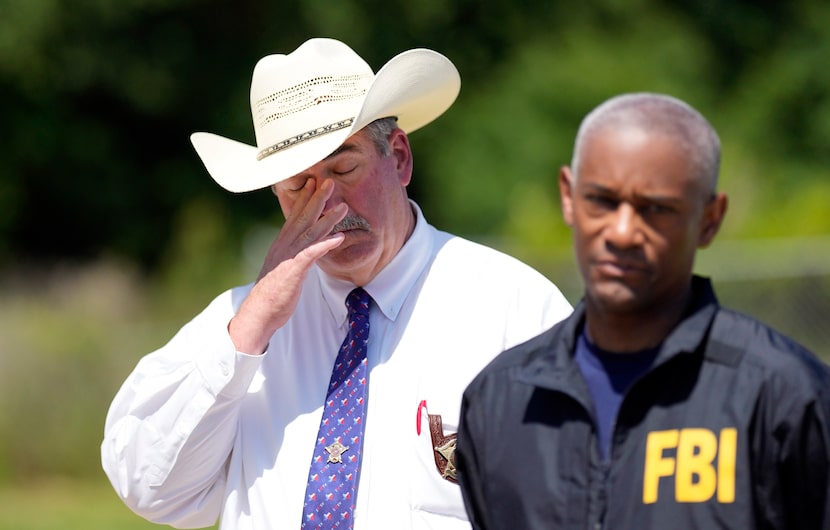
(112, 234)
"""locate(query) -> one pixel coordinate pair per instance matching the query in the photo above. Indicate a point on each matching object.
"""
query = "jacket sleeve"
(467, 465)
(171, 427)
(803, 467)
(798, 441)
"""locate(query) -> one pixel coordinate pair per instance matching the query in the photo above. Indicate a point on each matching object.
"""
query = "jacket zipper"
(602, 496)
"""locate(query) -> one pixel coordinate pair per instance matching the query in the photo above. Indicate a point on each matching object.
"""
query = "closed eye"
(344, 171)
(297, 186)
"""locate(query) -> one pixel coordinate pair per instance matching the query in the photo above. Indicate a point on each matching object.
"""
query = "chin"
(348, 260)
(616, 297)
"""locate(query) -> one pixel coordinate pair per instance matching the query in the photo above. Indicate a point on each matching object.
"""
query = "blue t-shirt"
(609, 375)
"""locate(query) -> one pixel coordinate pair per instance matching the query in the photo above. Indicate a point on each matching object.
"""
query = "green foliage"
(58, 341)
(66, 505)
(101, 98)
(498, 165)
(113, 234)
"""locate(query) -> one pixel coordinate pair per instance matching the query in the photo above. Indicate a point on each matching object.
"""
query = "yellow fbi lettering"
(697, 477)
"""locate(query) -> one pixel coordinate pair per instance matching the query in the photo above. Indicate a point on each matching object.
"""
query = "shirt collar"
(392, 284)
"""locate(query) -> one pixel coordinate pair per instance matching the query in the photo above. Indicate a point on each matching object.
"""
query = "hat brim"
(415, 86)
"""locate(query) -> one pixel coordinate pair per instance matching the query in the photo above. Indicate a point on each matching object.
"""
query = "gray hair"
(379, 131)
(660, 114)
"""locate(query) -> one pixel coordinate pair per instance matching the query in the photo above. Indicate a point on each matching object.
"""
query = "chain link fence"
(785, 283)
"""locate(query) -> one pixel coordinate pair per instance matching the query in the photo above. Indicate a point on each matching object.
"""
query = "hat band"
(308, 135)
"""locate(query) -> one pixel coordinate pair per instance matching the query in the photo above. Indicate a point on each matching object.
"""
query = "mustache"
(351, 222)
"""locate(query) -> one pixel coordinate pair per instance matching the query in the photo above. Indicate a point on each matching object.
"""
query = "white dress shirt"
(200, 431)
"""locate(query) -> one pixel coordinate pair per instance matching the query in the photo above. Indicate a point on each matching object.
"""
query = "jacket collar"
(550, 365)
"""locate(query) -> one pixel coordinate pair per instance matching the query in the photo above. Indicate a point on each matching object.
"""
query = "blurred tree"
(100, 97)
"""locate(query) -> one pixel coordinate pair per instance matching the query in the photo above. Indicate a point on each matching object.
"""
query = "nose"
(320, 174)
(624, 230)
(336, 196)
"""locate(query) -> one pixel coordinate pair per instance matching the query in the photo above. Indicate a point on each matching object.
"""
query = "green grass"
(58, 504)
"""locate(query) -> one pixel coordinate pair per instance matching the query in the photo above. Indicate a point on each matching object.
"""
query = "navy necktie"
(335, 467)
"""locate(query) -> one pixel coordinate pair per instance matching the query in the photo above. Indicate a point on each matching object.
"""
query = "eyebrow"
(347, 147)
(662, 199)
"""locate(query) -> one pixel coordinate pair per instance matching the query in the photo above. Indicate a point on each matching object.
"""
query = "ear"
(713, 215)
(566, 190)
(402, 155)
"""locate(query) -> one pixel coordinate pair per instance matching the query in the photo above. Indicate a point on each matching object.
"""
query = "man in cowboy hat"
(254, 412)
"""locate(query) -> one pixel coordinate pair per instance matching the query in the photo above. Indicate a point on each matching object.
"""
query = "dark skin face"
(638, 213)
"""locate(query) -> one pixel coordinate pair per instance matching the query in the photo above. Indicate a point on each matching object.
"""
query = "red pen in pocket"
(421, 405)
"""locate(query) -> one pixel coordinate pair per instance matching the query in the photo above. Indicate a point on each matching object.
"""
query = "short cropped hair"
(659, 114)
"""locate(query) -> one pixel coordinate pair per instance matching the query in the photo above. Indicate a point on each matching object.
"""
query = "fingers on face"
(307, 205)
(312, 220)
(318, 249)
(324, 224)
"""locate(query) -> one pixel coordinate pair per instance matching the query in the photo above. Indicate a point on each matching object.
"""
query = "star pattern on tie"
(335, 467)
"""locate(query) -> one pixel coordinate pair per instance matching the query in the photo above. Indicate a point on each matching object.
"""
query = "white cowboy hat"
(307, 103)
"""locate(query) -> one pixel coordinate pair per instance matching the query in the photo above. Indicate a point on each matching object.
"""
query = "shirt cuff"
(226, 372)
